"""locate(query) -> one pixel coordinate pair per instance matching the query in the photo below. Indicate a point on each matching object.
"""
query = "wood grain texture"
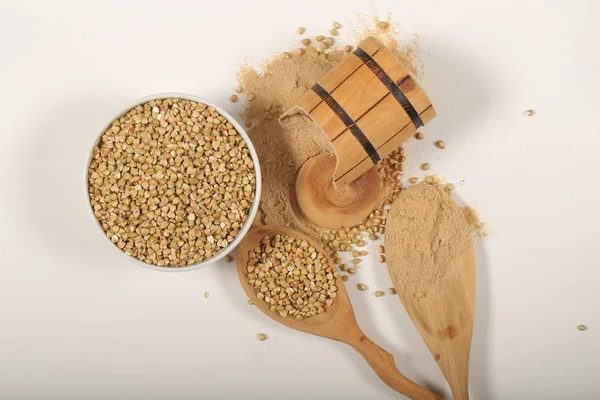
(356, 95)
(390, 145)
(359, 92)
(445, 321)
(378, 97)
(343, 69)
(370, 45)
(336, 75)
(328, 207)
(337, 323)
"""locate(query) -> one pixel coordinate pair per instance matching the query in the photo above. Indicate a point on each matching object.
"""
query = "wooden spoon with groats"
(337, 322)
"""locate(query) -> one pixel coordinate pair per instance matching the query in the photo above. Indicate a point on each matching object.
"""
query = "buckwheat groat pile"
(171, 182)
(293, 277)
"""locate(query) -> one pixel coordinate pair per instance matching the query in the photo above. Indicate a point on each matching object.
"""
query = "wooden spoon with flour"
(431, 262)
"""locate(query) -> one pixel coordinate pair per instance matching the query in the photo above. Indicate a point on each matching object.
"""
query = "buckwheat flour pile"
(426, 232)
(282, 151)
(478, 227)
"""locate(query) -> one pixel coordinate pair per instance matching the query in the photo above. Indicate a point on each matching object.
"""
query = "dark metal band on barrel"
(391, 85)
(348, 121)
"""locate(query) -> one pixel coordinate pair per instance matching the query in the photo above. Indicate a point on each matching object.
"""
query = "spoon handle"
(384, 366)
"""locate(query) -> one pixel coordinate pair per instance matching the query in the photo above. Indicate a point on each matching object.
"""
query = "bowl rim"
(257, 191)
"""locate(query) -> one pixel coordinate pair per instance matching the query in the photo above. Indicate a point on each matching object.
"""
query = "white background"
(78, 321)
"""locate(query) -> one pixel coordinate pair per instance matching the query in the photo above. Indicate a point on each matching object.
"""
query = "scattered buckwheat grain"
(262, 336)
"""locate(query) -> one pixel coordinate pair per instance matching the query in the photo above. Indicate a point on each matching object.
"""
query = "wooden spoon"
(337, 323)
(445, 322)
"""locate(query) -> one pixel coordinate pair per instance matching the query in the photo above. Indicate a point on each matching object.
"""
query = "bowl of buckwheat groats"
(173, 182)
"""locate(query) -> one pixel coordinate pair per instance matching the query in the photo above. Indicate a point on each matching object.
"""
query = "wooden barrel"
(367, 105)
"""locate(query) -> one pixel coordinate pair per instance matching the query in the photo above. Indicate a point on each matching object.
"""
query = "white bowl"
(253, 210)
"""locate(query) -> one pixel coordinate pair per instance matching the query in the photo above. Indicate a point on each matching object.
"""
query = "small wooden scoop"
(337, 323)
(445, 322)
